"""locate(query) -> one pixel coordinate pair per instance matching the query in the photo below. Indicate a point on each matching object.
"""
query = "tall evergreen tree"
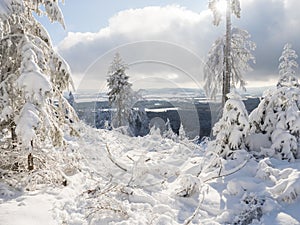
(120, 93)
(233, 7)
(240, 56)
(32, 76)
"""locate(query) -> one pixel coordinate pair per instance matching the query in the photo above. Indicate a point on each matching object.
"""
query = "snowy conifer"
(32, 73)
(232, 129)
(287, 67)
(232, 7)
(278, 115)
(32, 76)
(120, 93)
(240, 57)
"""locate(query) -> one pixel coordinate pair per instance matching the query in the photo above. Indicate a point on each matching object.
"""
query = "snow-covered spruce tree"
(277, 117)
(120, 93)
(232, 129)
(32, 77)
(233, 7)
(222, 71)
(240, 57)
(287, 67)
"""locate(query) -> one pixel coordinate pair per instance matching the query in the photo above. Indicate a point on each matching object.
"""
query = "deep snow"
(152, 180)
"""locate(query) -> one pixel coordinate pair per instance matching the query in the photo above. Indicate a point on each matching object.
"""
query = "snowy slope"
(152, 180)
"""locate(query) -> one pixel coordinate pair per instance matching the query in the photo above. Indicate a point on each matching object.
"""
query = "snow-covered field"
(154, 180)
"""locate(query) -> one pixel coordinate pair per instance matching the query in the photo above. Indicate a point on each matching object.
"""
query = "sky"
(165, 42)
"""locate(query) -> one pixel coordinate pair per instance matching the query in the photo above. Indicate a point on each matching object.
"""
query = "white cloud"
(156, 34)
(175, 40)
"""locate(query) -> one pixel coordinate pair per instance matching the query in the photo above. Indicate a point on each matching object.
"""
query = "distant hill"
(164, 93)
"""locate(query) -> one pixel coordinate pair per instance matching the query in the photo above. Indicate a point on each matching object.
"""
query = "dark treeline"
(98, 114)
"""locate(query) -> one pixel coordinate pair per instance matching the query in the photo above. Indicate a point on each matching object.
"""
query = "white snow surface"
(27, 123)
(153, 180)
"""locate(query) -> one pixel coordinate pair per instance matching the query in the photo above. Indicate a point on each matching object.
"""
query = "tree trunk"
(119, 114)
(30, 162)
(226, 84)
(13, 135)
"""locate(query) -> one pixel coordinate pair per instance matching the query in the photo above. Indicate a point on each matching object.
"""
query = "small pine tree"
(232, 129)
(120, 93)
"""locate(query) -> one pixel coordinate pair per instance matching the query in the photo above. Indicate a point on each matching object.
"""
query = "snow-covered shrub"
(285, 182)
(252, 210)
(231, 130)
(189, 184)
(287, 189)
(100, 204)
(51, 167)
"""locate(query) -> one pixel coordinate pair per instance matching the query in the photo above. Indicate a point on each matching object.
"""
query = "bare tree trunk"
(13, 135)
(226, 84)
(30, 158)
(119, 114)
(30, 162)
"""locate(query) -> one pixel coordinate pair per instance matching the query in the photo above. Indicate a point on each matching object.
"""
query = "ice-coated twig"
(113, 161)
(189, 220)
(230, 172)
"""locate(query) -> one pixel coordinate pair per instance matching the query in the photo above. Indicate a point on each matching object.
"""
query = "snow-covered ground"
(152, 180)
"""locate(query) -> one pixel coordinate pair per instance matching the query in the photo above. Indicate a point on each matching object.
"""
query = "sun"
(222, 6)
